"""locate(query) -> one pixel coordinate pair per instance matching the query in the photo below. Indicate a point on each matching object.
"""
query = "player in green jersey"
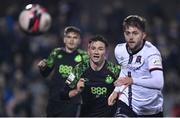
(93, 80)
(61, 61)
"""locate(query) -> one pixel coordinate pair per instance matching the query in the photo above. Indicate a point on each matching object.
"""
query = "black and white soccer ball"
(34, 19)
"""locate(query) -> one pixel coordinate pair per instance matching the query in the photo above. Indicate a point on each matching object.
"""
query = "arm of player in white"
(156, 81)
(120, 89)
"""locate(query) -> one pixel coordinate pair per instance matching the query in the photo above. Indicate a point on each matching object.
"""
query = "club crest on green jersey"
(78, 58)
(109, 79)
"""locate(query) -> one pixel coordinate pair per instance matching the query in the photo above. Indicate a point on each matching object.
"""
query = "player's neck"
(97, 66)
(69, 50)
(136, 49)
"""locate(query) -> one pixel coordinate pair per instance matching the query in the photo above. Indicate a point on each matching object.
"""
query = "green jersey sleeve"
(114, 68)
(78, 72)
(52, 57)
(84, 55)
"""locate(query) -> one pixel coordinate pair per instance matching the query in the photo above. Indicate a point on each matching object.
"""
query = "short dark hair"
(136, 21)
(72, 29)
(98, 38)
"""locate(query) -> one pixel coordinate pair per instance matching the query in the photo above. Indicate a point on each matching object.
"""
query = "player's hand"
(73, 93)
(123, 81)
(112, 98)
(42, 64)
(80, 85)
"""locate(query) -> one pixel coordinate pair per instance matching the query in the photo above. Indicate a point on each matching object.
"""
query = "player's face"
(71, 40)
(134, 37)
(97, 51)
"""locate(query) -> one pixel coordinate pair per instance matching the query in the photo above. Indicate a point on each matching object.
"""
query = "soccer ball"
(34, 19)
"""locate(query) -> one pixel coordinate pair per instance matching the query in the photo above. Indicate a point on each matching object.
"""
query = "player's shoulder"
(58, 48)
(115, 68)
(120, 49)
(83, 65)
(57, 51)
(80, 51)
(150, 48)
(110, 63)
(120, 46)
(83, 54)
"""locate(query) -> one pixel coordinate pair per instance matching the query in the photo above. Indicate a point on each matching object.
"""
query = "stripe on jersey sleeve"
(155, 62)
(153, 69)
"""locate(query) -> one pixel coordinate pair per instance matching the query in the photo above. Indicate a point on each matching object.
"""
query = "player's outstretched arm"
(112, 98)
(123, 81)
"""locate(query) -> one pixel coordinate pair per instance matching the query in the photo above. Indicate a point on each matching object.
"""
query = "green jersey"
(98, 86)
(60, 64)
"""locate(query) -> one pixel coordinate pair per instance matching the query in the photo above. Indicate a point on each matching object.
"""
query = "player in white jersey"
(141, 78)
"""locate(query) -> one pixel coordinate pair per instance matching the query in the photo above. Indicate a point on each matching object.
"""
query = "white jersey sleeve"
(119, 50)
(156, 81)
(155, 62)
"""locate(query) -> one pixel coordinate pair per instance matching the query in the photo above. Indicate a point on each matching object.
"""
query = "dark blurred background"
(23, 91)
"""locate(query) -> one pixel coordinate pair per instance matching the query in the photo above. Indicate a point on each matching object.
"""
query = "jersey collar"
(135, 52)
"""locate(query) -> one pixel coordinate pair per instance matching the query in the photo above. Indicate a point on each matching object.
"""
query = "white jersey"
(146, 96)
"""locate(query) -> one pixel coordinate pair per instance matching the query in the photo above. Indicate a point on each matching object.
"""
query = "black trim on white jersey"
(135, 52)
(153, 69)
(129, 87)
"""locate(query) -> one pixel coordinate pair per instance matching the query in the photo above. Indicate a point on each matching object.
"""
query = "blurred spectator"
(176, 107)
(2, 91)
(155, 9)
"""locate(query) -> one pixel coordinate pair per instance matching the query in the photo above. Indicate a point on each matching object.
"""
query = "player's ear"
(144, 35)
(88, 49)
(88, 52)
(64, 39)
(79, 42)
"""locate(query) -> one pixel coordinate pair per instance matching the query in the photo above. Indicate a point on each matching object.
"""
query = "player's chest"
(98, 84)
(68, 59)
(99, 78)
(133, 62)
(65, 63)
